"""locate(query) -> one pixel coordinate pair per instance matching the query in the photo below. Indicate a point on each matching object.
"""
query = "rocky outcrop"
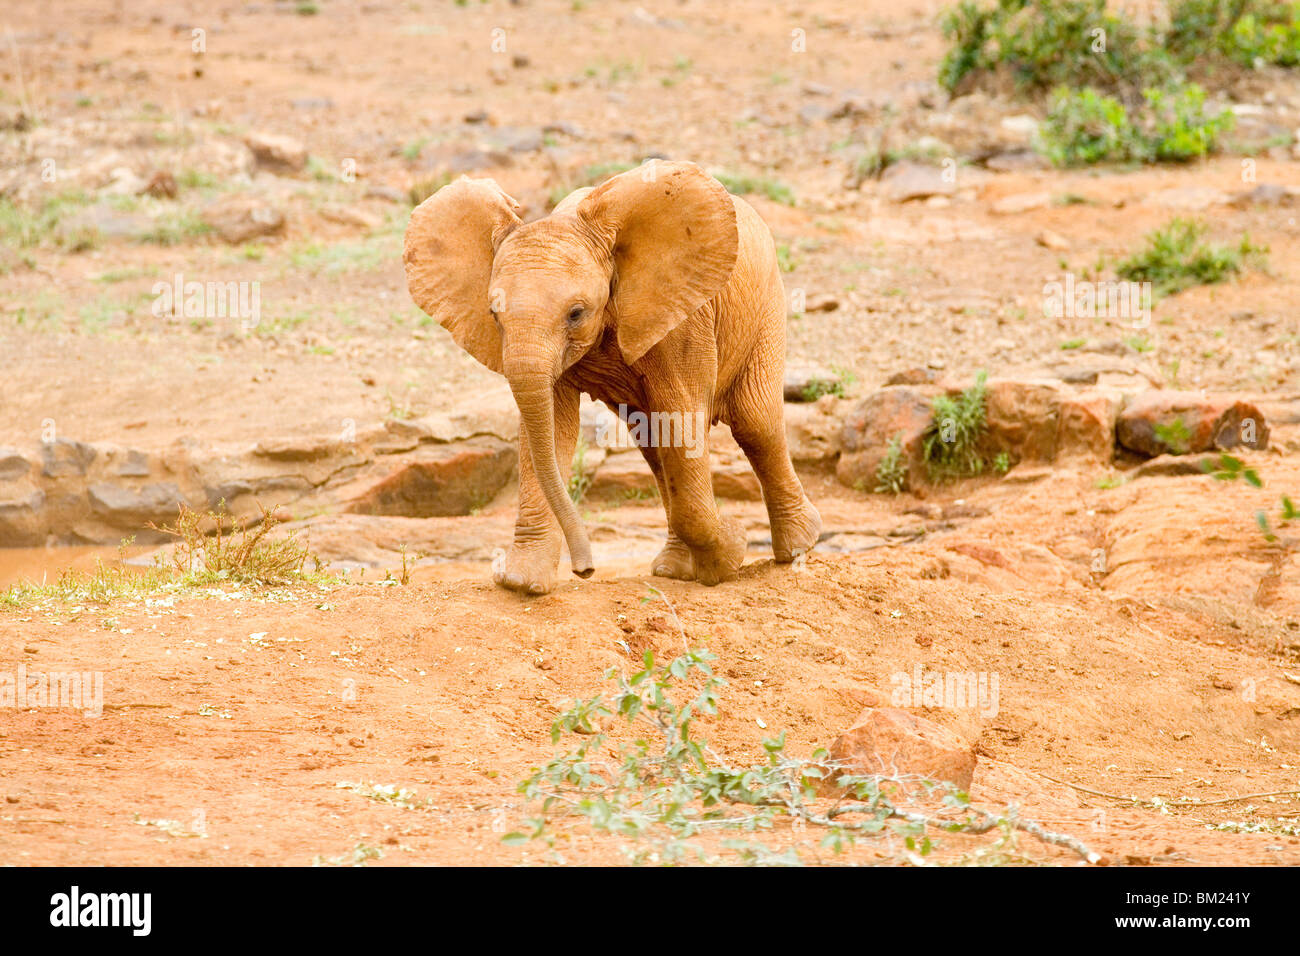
(1183, 423)
(892, 742)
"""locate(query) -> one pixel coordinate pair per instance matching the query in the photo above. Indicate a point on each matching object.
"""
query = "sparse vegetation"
(579, 476)
(951, 447)
(665, 793)
(743, 185)
(891, 473)
(1176, 258)
(1123, 93)
(838, 386)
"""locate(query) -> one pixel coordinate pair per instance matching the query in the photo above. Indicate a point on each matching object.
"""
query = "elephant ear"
(450, 243)
(671, 230)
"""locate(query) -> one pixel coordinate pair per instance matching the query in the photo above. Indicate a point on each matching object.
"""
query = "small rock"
(64, 457)
(1265, 194)
(161, 185)
(1051, 240)
(439, 480)
(885, 740)
(241, 218)
(1021, 202)
(899, 411)
(809, 383)
(1162, 422)
(277, 153)
(1187, 197)
(907, 181)
(130, 509)
(351, 216)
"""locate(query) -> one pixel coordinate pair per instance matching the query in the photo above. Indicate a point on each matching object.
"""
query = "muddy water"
(46, 564)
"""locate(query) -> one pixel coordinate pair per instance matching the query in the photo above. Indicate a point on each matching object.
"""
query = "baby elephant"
(657, 293)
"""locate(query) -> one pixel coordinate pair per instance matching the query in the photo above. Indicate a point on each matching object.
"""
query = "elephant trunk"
(535, 396)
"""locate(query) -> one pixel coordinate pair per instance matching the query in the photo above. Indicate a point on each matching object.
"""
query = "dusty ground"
(1163, 677)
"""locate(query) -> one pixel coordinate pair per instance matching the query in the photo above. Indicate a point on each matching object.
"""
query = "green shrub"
(1085, 127)
(1175, 258)
(951, 446)
(1180, 130)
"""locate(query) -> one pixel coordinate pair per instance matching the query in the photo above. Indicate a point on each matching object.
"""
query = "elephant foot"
(796, 534)
(721, 562)
(528, 570)
(674, 561)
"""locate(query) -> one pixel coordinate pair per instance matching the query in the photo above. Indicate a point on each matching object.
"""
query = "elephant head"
(635, 256)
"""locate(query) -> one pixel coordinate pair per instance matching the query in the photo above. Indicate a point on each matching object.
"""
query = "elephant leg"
(529, 566)
(675, 560)
(758, 424)
(716, 543)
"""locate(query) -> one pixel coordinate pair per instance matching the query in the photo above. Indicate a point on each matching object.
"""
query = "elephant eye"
(576, 312)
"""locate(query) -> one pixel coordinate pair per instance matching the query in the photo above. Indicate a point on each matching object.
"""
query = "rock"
(21, 518)
(130, 509)
(1265, 194)
(14, 464)
(1021, 202)
(1086, 426)
(241, 218)
(1051, 240)
(1173, 466)
(439, 480)
(135, 464)
(123, 181)
(299, 448)
(517, 139)
(806, 383)
(161, 185)
(386, 193)
(913, 376)
(896, 411)
(812, 431)
(823, 302)
(86, 227)
(1187, 197)
(351, 216)
(1022, 127)
(811, 113)
(734, 480)
(1023, 418)
(63, 457)
(888, 741)
(1014, 160)
(908, 180)
(621, 477)
(277, 153)
(1160, 422)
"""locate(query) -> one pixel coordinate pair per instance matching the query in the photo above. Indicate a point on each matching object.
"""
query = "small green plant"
(234, 551)
(951, 446)
(742, 185)
(579, 478)
(664, 791)
(891, 473)
(1174, 435)
(838, 386)
(1175, 258)
(422, 189)
(1231, 468)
